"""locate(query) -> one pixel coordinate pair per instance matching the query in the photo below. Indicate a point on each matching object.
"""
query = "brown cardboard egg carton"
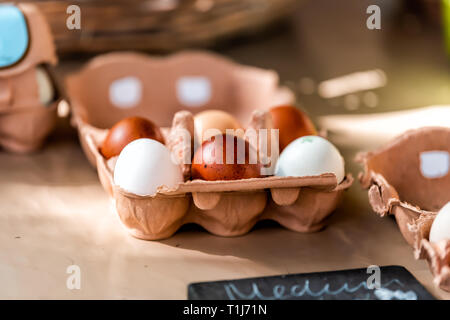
(225, 208)
(24, 121)
(397, 185)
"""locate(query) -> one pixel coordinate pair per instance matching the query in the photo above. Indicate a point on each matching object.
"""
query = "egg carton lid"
(406, 150)
(161, 85)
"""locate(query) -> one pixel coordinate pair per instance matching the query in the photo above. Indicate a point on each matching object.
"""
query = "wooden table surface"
(54, 213)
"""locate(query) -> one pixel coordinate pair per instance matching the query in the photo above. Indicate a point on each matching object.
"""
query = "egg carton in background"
(24, 121)
(225, 208)
(410, 179)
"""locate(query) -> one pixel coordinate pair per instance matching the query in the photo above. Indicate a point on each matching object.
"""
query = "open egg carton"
(176, 85)
(25, 59)
(410, 179)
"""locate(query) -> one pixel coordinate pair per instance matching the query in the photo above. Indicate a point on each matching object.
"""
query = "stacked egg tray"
(24, 121)
(224, 208)
(402, 180)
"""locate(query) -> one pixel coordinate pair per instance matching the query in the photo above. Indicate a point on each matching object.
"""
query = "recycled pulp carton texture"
(225, 208)
(24, 121)
(398, 187)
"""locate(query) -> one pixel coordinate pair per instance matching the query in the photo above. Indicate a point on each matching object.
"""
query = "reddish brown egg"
(206, 165)
(127, 130)
(292, 123)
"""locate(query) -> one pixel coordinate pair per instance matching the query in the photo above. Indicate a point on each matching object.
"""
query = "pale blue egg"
(14, 37)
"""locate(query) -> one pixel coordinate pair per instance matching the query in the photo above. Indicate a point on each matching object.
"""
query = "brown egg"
(127, 130)
(292, 123)
(214, 119)
(205, 166)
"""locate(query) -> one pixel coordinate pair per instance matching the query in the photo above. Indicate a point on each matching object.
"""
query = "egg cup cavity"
(396, 186)
(224, 208)
(24, 121)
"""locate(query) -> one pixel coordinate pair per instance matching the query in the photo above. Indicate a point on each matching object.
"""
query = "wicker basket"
(157, 25)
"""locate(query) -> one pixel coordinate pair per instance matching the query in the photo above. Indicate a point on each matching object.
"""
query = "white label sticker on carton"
(434, 164)
(125, 92)
(193, 91)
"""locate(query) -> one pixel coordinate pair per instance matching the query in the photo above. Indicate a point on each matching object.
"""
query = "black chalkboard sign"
(395, 283)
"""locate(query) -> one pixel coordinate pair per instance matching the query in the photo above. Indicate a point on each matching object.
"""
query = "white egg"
(440, 229)
(144, 165)
(310, 156)
(45, 86)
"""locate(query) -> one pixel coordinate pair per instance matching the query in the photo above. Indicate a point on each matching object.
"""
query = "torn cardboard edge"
(437, 255)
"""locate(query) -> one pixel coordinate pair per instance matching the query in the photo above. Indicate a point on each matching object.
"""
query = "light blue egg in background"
(14, 37)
